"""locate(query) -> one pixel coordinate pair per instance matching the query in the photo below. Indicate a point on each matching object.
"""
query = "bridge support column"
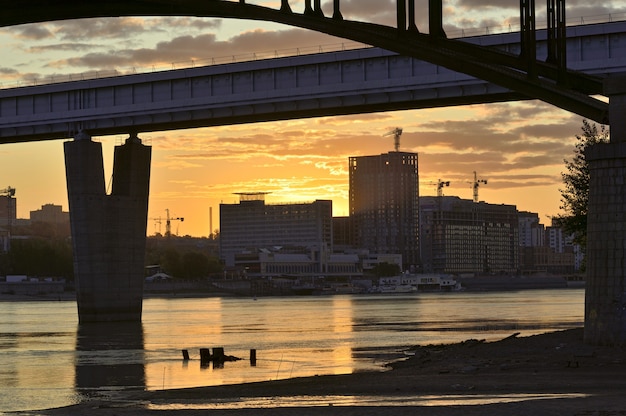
(108, 231)
(605, 293)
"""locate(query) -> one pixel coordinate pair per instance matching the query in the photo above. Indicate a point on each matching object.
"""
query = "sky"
(519, 148)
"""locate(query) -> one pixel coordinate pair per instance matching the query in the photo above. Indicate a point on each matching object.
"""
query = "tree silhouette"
(575, 194)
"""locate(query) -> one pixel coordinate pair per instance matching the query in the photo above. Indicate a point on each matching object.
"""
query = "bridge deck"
(355, 81)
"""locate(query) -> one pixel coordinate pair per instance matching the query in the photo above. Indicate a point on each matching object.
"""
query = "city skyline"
(518, 147)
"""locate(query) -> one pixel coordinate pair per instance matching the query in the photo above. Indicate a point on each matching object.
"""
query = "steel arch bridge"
(548, 81)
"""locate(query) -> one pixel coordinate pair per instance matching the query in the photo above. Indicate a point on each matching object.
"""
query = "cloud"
(32, 32)
(199, 47)
(62, 47)
(375, 11)
(176, 165)
(128, 28)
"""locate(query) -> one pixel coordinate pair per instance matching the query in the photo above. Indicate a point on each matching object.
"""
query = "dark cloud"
(129, 27)
(8, 71)
(475, 5)
(32, 32)
(96, 29)
(375, 11)
(205, 46)
(62, 47)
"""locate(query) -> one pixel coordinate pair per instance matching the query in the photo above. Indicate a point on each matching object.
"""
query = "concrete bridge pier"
(605, 294)
(108, 231)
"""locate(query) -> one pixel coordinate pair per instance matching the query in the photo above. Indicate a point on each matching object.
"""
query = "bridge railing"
(511, 28)
(245, 57)
(282, 53)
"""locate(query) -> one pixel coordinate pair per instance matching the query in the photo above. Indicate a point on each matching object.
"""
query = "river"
(47, 360)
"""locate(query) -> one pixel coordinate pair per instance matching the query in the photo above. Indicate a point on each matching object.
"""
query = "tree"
(575, 194)
(39, 257)
(195, 265)
(385, 269)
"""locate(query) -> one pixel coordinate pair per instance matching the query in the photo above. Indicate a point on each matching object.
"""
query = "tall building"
(8, 209)
(252, 225)
(384, 204)
(462, 236)
(531, 231)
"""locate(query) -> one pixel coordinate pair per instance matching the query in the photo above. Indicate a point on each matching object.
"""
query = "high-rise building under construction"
(384, 204)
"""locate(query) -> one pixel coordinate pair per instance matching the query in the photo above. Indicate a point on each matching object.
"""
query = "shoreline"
(71, 296)
(549, 374)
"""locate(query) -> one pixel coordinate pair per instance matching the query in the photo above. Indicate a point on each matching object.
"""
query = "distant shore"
(470, 284)
(549, 374)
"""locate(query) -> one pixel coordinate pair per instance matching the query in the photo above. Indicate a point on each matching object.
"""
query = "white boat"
(409, 283)
(396, 289)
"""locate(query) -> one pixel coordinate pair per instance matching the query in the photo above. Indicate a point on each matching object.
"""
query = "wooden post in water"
(185, 355)
(218, 355)
(205, 356)
(253, 358)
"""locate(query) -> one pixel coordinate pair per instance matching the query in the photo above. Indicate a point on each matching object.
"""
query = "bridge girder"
(565, 89)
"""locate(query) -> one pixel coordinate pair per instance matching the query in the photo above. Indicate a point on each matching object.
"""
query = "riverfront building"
(460, 236)
(252, 225)
(8, 209)
(384, 204)
(531, 231)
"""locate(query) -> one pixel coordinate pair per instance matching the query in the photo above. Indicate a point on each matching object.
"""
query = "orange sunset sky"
(518, 147)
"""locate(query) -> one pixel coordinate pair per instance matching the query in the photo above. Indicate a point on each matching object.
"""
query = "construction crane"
(476, 184)
(397, 132)
(168, 223)
(157, 221)
(8, 191)
(440, 185)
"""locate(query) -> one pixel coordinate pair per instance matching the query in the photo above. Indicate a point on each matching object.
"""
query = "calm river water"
(47, 360)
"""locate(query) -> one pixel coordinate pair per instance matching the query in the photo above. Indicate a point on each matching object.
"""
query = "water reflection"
(361, 401)
(109, 355)
(342, 327)
(46, 358)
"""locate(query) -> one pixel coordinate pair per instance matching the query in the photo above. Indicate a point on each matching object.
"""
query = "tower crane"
(396, 132)
(476, 184)
(168, 224)
(8, 191)
(157, 221)
(440, 185)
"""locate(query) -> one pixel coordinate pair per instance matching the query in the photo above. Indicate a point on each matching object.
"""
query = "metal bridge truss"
(548, 81)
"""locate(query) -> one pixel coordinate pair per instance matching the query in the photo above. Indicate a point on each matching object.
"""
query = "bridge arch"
(521, 73)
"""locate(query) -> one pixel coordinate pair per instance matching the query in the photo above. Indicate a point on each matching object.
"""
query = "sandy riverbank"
(549, 374)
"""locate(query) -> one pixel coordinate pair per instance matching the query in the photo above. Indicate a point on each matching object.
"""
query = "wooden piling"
(218, 355)
(253, 358)
(185, 355)
(205, 356)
